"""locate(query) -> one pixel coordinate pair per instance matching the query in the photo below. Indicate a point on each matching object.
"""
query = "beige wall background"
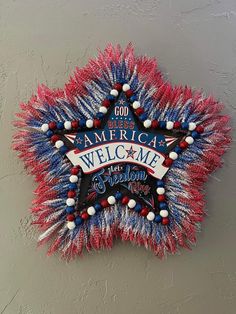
(42, 42)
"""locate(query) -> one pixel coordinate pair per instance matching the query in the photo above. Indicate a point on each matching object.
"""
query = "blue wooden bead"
(162, 124)
(60, 125)
(63, 149)
(118, 196)
(158, 218)
(184, 125)
(49, 133)
(138, 208)
(143, 116)
(162, 205)
(72, 186)
(178, 150)
(160, 183)
(78, 220)
(97, 207)
(133, 98)
(111, 97)
(70, 209)
(100, 115)
(195, 134)
(82, 123)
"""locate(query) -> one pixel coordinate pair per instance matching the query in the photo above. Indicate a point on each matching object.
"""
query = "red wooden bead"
(71, 194)
(139, 111)
(55, 138)
(165, 221)
(125, 200)
(75, 124)
(97, 123)
(177, 125)
(129, 93)
(155, 124)
(118, 86)
(144, 211)
(52, 125)
(106, 103)
(168, 162)
(70, 217)
(183, 145)
(85, 215)
(161, 198)
(74, 170)
(199, 129)
(104, 203)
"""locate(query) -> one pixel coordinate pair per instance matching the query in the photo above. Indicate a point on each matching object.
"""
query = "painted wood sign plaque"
(120, 155)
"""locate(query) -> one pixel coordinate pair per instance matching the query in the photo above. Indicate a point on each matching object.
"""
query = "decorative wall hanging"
(119, 152)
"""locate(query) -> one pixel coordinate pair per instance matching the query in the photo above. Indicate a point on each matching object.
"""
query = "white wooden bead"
(147, 123)
(191, 126)
(150, 216)
(91, 211)
(71, 225)
(59, 144)
(136, 104)
(189, 140)
(70, 202)
(89, 123)
(111, 200)
(131, 203)
(173, 155)
(169, 125)
(160, 191)
(125, 87)
(114, 92)
(103, 109)
(164, 213)
(73, 179)
(67, 125)
(45, 127)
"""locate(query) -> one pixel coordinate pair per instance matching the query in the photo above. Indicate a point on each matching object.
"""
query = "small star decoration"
(131, 152)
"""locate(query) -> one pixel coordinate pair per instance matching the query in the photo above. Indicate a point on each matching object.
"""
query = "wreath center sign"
(119, 152)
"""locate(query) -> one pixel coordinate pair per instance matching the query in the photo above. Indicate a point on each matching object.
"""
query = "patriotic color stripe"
(82, 103)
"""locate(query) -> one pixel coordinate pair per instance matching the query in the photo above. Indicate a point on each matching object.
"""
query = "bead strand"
(163, 208)
(161, 217)
(184, 144)
(70, 201)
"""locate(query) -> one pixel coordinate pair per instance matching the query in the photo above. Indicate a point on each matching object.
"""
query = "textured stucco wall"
(41, 42)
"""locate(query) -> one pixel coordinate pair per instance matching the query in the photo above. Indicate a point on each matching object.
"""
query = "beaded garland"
(54, 116)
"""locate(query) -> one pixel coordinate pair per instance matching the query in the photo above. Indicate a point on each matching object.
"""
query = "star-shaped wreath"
(120, 153)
